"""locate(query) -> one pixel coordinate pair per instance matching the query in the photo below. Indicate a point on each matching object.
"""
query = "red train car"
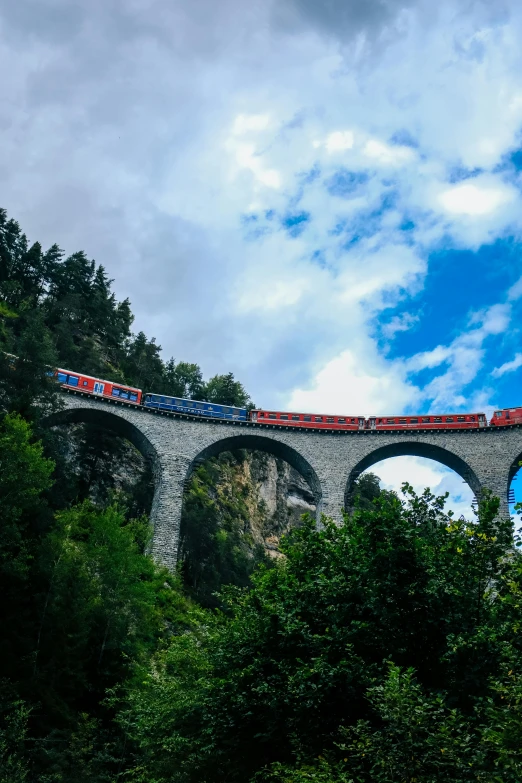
(308, 420)
(452, 421)
(506, 417)
(97, 387)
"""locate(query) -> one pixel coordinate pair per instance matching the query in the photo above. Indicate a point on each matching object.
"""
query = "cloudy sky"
(323, 196)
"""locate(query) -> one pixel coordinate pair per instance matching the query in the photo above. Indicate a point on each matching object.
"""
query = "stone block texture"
(328, 461)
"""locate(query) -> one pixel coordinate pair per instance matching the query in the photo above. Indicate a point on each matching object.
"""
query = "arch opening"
(241, 495)
(422, 465)
(103, 454)
(268, 446)
(514, 485)
(110, 421)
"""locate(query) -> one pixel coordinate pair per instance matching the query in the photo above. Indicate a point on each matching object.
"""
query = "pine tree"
(225, 390)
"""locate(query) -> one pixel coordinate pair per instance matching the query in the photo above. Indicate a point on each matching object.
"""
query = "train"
(129, 395)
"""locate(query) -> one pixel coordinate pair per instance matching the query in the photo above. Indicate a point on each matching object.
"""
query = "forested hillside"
(384, 649)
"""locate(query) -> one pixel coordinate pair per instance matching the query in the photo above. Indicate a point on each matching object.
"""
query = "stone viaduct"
(328, 461)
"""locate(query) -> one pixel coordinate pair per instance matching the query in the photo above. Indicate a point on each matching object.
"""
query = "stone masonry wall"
(328, 461)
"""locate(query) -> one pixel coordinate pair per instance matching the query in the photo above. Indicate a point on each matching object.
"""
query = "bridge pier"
(170, 477)
(332, 497)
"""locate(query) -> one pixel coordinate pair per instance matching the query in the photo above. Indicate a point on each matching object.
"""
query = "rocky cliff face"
(274, 494)
(282, 497)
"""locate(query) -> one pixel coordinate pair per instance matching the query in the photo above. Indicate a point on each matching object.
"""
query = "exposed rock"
(276, 495)
(282, 496)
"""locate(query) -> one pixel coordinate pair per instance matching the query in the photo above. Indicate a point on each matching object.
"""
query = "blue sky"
(324, 198)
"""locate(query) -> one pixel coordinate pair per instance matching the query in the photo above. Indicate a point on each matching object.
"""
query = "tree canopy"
(383, 649)
(64, 311)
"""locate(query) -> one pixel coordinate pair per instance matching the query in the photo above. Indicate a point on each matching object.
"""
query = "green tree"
(183, 380)
(400, 605)
(225, 390)
(24, 475)
(26, 386)
(215, 549)
(366, 490)
(142, 364)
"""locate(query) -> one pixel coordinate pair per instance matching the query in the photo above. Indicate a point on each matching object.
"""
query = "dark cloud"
(344, 19)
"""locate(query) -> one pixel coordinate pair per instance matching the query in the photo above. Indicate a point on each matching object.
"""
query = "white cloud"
(250, 122)
(399, 323)
(469, 199)
(422, 473)
(429, 359)
(515, 292)
(247, 158)
(463, 359)
(274, 295)
(388, 154)
(348, 385)
(338, 141)
(511, 366)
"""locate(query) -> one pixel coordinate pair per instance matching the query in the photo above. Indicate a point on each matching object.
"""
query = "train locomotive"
(129, 395)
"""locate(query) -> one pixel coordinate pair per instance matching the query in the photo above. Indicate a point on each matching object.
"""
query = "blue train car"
(210, 410)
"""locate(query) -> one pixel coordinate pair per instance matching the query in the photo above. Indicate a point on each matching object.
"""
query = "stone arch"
(513, 470)
(415, 449)
(272, 446)
(116, 424)
(108, 420)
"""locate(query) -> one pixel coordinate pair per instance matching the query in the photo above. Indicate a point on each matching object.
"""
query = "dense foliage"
(63, 311)
(383, 650)
(216, 547)
(386, 649)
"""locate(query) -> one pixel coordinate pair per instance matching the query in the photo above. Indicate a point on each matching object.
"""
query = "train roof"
(100, 380)
(418, 415)
(305, 413)
(189, 399)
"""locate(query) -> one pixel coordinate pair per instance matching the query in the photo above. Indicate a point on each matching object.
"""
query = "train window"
(437, 419)
(73, 380)
(115, 392)
(295, 418)
(414, 421)
(62, 377)
(261, 415)
(449, 418)
(341, 421)
(85, 383)
(124, 394)
(425, 419)
(236, 412)
(390, 421)
(272, 416)
(461, 418)
(307, 418)
(318, 418)
(199, 405)
(403, 421)
(353, 421)
(133, 396)
(283, 416)
(330, 419)
(472, 418)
